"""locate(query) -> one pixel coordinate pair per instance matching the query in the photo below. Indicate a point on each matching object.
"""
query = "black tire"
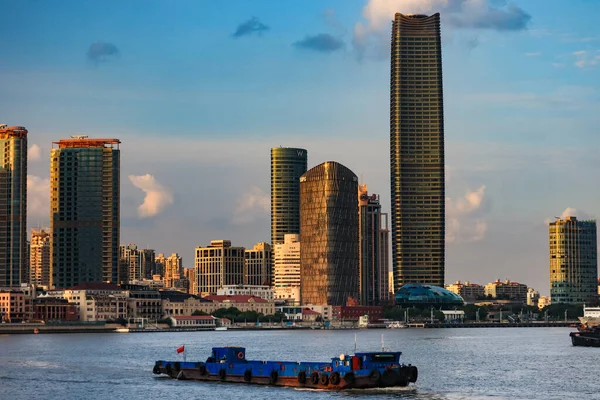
(324, 379)
(177, 366)
(156, 369)
(314, 378)
(375, 374)
(273, 377)
(222, 373)
(414, 374)
(202, 369)
(302, 377)
(350, 378)
(169, 369)
(335, 378)
(247, 375)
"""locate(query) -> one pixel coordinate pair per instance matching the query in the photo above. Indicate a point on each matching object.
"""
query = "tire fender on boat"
(273, 377)
(169, 369)
(222, 373)
(414, 374)
(335, 378)
(314, 378)
(375, 374)
(202, 369)
(247, 375)
(156, 369)
(302, 377)
(324, 379)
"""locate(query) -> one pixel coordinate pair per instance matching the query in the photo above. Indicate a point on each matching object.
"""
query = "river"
(461, 363)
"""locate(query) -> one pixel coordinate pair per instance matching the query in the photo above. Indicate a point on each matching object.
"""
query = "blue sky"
(197, 109)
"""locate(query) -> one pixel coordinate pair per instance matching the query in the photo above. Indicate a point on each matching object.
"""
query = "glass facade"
(329, 235)
(13, 206)
(422, 296)
(85, 211)
(573, 260)
(417, 151)
(287, 166)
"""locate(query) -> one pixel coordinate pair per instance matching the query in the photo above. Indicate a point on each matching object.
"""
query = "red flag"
(181, 349)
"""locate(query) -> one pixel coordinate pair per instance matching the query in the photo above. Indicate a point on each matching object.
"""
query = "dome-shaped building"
(424, 296)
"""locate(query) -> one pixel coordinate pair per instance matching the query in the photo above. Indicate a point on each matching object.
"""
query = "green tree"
(199, 312)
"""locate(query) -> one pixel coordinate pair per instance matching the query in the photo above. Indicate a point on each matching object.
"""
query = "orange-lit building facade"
(13, 206)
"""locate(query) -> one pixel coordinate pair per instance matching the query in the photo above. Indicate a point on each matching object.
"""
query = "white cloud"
(585, 59)
(157, 197)
(473, 14)
(251, 205)
(34, 153)
(38, 196)
(464, 222)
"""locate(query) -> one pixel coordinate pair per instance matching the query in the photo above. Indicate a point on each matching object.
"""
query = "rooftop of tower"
(12, 131)
(85, 142)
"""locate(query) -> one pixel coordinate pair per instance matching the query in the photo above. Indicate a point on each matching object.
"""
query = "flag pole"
(183, 352)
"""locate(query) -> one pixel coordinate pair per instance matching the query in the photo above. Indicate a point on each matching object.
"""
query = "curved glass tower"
(287, 166)
(329, 235)
(417, 151)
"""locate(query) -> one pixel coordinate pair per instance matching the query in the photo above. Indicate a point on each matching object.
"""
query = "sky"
(199, 91)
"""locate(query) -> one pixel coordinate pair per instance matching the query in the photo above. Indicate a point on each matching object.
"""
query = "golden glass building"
(287, 166)
(85, 211)
(417, 151)
(13, 205)
(573, 260)
(329, 235)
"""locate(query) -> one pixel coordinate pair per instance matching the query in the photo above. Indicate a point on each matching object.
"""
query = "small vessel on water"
(357, 371)
(588, 333)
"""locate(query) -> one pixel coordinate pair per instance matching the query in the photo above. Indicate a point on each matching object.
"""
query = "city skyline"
(190, 174)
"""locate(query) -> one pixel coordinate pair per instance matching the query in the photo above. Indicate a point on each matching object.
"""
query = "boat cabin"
(227, 355)
(365, 361)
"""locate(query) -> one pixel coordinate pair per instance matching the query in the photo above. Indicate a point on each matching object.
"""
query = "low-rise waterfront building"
(54, 309)
(242, 303)
(14, 306)
(182, 304)
(507, 290)
(194, 321)
(143, 302)
(262, 291)
(468, 291)
(353, 313)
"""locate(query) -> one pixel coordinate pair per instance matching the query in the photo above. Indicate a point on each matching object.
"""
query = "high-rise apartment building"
(13, 205)
(573, 260)
(417, 151)
(159, 264)
(39, 258)
(85, 211)
(219, 265)
(190, 275)
(147, 257)
(173, 269)
(131, 263)
(287, 166)
(259, 265)
(329, 235)
(373, 249)
(286, 269)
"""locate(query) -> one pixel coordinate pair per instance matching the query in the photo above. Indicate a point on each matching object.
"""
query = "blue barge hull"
(357, 371)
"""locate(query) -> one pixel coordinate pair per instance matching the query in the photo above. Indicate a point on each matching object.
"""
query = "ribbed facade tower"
(13, 205)
(573, 260)
(329, 235)
(85, 211)
(417, 151)
(287, 166)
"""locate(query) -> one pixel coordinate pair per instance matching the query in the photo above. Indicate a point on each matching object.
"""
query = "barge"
(357, 371)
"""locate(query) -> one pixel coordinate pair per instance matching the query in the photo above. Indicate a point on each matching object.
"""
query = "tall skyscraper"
(13, 205)
(259, 265)
(286, 269)
(39, 258)
(573, 260)
(417, 151)
(373, 249)
(329, 235)
(173, 269)
(131, 263)
(85, 211)
(287, 166)
(147, 257)
(218, 265)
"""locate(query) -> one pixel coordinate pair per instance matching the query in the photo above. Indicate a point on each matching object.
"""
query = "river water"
(461, 363)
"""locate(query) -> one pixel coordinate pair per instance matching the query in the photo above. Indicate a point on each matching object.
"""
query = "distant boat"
(221, 328)
(397, 325)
